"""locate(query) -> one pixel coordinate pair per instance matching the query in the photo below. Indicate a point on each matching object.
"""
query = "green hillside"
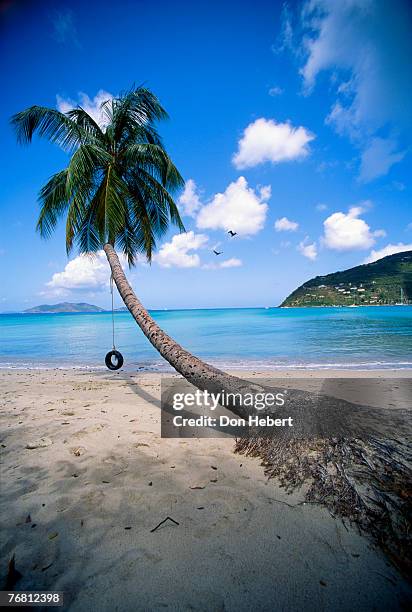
(63, 307)
(386, 281)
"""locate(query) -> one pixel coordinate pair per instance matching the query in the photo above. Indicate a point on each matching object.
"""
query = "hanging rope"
(111, 290)
(118, 357)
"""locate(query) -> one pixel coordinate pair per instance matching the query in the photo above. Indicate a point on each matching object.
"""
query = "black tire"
(118, 363)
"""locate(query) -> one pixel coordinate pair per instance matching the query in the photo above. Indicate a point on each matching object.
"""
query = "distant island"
(64, 307)
(387, 281)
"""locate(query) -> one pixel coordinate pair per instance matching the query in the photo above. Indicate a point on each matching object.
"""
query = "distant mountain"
(386, 281)
(64, 307)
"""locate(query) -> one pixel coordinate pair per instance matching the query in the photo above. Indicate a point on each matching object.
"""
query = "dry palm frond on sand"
(368, 482)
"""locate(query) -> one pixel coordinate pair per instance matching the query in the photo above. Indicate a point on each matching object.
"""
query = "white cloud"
(264, 140)
(308, 249)
(347, 232)
(91, 106)
(286, 39)
(275, 91)
(189, 200)
(84, 272)
(239, 209)
(369, 63)
(389, 249)
(176, 252)
(321, 207)
(285, 225)
(233, 262)
(378, 158)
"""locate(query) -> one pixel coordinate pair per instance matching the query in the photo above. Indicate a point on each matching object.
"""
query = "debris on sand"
(366, 481)
(77, 451)
(168, 518)
(40, 443)
(46, 567)
(13, 575)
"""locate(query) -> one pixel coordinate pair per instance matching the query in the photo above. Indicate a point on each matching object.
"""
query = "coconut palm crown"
(117, 188)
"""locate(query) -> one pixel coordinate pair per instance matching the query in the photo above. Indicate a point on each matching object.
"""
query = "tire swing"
(114, 354)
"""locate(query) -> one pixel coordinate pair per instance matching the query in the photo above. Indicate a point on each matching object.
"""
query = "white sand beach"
(78, 512)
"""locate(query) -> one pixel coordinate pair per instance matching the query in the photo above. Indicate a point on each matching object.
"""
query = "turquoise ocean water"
(253, 338)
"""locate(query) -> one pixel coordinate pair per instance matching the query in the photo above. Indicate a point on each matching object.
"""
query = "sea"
(230, 338)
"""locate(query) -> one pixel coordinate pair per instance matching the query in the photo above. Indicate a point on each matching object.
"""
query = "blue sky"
(291, 124)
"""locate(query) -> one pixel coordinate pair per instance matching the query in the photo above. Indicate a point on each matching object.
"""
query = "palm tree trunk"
(317, 414)
(197, 372)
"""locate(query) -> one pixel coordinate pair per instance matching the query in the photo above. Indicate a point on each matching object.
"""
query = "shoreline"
(123, 309)
(166, 370)
(104, 479)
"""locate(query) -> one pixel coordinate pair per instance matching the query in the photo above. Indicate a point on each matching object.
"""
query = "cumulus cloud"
(308, 249)
(285, 225)
(83, 273)
(91, 106)
(264, 140)
(189, 201)
(240, 208)
(347, 232)
(370, 66)
(389, 249)
(176, 253)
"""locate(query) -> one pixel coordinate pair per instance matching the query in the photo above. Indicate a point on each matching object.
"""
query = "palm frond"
(154, 160)
(54, 201)
(85, 121)
(88, 161)
(159, 196)
(129, 242)
(134, 115)
(75, 216)
(119, 182)
(86, 233)
(50, 123)
(141, 220)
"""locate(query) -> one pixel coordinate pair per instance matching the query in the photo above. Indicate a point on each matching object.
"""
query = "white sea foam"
(242, 365)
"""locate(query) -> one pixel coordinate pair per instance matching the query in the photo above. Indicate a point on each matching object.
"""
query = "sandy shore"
(107, 479)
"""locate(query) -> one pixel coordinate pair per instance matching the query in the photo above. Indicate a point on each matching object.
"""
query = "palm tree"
(117, 192)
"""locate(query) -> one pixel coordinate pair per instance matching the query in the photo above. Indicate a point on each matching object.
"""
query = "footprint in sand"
(89, 430)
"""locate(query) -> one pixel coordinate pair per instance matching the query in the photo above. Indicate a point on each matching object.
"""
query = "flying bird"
(217, 252)
(232, 233)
